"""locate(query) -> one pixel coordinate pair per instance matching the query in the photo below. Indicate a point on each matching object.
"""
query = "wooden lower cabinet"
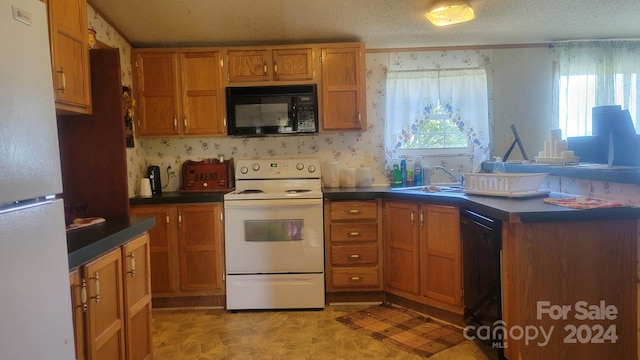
(111, 299)
(186, 249)
(423, 253)
(353, 242)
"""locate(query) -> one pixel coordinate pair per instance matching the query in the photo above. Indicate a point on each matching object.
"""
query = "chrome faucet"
(459, 180)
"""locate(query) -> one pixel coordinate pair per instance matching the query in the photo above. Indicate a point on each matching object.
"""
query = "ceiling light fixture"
(449, 12)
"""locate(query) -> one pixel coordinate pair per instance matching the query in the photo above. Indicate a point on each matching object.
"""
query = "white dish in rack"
(514, 194)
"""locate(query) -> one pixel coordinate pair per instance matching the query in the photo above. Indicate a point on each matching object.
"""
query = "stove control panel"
(277, 169)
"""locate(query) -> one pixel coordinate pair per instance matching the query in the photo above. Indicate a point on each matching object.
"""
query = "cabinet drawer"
(355, 278)
(353, 210)
(342, 255)
(352, 232)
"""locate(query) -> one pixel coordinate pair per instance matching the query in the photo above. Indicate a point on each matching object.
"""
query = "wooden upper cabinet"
(292, 64)
(343, 87)
(264, 65)
(70, 55)
(201, 93)
(179, 93)
(157, 88)
(248, 65)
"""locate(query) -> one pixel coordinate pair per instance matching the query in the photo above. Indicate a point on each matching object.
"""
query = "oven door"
(274, 236)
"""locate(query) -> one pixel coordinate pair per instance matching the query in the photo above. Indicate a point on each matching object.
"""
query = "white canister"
(363, 177)
(331, 174)
(348, 177)
(145, 187)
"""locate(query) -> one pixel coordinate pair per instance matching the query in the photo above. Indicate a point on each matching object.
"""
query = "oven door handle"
(271, 203)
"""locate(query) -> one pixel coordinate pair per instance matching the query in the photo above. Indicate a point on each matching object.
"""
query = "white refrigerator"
(35, 302)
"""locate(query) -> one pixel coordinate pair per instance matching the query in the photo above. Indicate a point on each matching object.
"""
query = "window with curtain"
(437, 112)
(595, 73)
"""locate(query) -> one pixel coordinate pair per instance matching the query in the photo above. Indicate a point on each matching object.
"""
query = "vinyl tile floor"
(199, 334)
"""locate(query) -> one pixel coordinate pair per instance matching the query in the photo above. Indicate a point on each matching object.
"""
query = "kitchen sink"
(433, 188)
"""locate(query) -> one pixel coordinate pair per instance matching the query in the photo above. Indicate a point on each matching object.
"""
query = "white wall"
(522, 95)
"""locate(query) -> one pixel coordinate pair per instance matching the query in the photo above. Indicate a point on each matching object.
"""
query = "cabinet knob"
(96, 279)
(83, 295)
(63, 80)
(132, 264)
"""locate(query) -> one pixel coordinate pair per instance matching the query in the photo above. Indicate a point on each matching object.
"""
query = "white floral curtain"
(411, 95)
(595, 73)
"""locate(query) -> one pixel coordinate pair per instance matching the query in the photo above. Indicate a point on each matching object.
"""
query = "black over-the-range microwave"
(272, 110)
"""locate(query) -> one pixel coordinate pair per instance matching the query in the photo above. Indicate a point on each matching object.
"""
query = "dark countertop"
(505, 209)
(176, 197)
(90, 242)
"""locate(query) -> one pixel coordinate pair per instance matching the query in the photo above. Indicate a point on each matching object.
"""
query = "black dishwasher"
(481, 264)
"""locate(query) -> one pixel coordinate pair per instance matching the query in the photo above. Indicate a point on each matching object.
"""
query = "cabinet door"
(201, 94)
(77, 288)
(343, 88)
(70, 55)
(248, 66)
(137, 298)
(163, 247)
(292, 64)
(441, 271)
(200, 234)
(105, 314)
(401, 248)
(157, 92)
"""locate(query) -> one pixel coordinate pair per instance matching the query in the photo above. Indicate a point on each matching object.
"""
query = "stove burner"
(251, 191)
(297, 191)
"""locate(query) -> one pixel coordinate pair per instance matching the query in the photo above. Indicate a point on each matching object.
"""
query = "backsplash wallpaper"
(351, 149)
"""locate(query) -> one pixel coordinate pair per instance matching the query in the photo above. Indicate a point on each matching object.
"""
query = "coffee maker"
(153, 173)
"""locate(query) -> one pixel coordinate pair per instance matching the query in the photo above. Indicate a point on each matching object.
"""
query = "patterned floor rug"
(405, 329)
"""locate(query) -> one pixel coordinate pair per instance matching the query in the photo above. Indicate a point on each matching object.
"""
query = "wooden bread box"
(207, 175)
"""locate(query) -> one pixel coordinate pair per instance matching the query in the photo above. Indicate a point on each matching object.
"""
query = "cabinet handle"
(265, 68)
(354, 212)
(359, 119)
(275, 68)
(412, 216)
(354, 233)
(83, 295)
(168, 221)
(355, 256)
(132, 264)
(355, 278)
(179, 219)
(175, 123)
(63, 80)
(184, 121)
(421, 218)
(96, 278)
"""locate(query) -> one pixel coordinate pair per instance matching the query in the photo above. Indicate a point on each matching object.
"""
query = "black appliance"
(272, 110)
(481, 262)
(153, 173)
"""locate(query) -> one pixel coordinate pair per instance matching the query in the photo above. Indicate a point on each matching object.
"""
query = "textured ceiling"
(379, 23)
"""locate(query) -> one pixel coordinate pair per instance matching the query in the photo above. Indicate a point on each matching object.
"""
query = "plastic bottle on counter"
(409, 172)
(396, 175)
(417, 171)
(426, 175)
(403, 171)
